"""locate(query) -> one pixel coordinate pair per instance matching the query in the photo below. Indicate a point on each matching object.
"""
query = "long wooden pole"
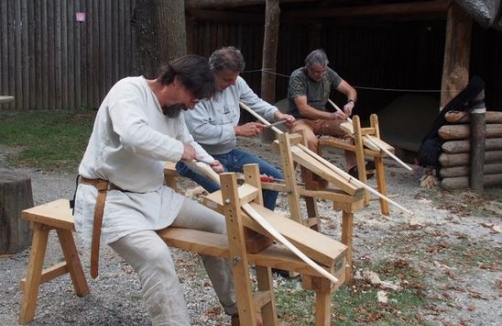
(329, 164)
(368, 139)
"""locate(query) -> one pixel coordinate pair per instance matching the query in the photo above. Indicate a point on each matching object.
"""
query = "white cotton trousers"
(151, 258)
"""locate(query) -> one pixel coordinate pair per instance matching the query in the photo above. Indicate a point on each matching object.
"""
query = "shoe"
(236, 322)
(370, 170)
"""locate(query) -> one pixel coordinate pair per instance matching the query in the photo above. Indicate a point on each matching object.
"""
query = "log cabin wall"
(383, 58)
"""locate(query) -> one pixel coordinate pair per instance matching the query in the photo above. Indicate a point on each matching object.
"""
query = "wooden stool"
(345, 196)
(363, 147)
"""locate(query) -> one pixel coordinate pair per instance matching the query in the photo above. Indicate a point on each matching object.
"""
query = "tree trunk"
(447, 160)
(463, 117)
(15, 195)
(490, 180)
(448, 132)
(464, 146)
(456, 53)
(270, 43)
(160, 34)
(463, 171)
(147, 48)
(171, 29)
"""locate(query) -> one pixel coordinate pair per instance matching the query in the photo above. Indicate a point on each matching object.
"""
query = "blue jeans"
(233, 161)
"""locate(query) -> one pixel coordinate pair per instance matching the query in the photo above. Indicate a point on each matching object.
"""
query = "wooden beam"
(386, 10)
(207, 12)
(226, 16)
(226, 4)
(456, 54)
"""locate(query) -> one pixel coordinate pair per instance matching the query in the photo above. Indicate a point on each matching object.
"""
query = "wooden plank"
(70, 40)
(73, 261)
(317, 167)
(369, 141)
(81, 57)
(237, 245)
(17, 57)
(108, 45)
(315, 245)
(44, 32)
(389, 11)
(24, 54)
(58, 87)
(33, 95)
(34, 273)
(48, 274)
(56, 214)
(4, 48)
(204, 243)
(289, 173)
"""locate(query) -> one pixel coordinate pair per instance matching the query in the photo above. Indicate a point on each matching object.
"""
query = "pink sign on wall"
(80, 16)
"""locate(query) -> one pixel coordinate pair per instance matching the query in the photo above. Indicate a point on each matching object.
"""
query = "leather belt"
(102, 186)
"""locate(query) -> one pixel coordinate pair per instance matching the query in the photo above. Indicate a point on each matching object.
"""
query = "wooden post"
(15, 195)
(456, 53)
(478, 135)
(270, 44)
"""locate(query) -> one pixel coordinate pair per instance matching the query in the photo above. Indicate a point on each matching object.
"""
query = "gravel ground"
(470, 295)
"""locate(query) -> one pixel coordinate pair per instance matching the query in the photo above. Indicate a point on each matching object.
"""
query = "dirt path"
(446, 259)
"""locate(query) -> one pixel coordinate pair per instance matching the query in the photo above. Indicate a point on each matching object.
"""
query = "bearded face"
(173, 111)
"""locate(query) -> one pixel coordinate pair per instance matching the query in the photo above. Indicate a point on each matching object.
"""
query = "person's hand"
(217, 166)
(347, 108)
(290, 120)
(339, 115)
(189, 153)
(249, 129)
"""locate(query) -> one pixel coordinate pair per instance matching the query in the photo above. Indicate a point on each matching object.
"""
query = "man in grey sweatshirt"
(214, 122)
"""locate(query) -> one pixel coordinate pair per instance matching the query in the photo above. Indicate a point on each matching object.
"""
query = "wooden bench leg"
(323, 289)
(381, 184)
(347, 233)
(34, 274)
(73, 262)
(267, 302)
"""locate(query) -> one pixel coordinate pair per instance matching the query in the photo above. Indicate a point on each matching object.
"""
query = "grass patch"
(46, 140)
(357, 303)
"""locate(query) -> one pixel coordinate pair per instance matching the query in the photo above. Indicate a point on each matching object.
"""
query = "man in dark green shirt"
(308, 92)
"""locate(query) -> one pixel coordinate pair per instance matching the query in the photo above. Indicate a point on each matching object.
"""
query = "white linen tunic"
(130, 143)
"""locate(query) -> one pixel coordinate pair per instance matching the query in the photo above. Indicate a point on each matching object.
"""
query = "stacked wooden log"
(455, 159)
